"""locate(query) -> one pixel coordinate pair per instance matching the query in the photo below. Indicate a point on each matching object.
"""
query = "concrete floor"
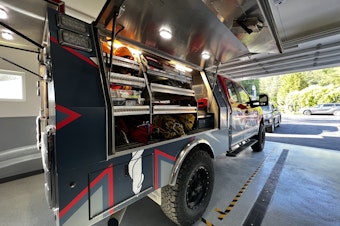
(301, 189)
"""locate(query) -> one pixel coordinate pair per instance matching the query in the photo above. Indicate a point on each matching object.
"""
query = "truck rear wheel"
(260, 137)
(186, 202)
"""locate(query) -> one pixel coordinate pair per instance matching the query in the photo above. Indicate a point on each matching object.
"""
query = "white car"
(324, 109)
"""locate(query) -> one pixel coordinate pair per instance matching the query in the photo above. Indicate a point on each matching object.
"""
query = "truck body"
(114, 128)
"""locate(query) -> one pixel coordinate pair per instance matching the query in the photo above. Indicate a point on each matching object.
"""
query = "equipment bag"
(188, 121)
(168, 126)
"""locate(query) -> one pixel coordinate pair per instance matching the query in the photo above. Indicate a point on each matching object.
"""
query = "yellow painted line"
(208, 223)
(223, 214)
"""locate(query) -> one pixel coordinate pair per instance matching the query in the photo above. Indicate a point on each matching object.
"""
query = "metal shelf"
(127, 80)
(171, 90)
(173, 109)
(124, 62)
(170, 75)
(130, 110)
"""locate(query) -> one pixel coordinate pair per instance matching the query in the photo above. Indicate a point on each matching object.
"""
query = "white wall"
(29, 107)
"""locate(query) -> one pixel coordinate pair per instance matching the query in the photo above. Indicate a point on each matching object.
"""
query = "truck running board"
(248, 143)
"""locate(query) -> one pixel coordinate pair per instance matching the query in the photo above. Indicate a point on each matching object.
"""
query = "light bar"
(72, 24)
(74, 40)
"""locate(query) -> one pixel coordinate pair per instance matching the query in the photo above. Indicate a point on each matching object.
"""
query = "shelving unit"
(163, 92)
(171, 90)
(170, 75)
(130, 110)
(174, 109)
(128, 80)
(124, 62)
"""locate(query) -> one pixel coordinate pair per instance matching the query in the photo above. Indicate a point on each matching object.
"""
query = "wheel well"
(190, 148)
(206, 148)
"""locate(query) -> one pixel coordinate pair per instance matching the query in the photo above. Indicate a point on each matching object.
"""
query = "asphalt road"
(320, 131)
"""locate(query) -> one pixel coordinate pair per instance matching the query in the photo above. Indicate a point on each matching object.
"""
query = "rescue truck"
(126, 114)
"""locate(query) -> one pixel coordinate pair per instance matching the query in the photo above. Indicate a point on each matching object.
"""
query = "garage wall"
(18, 152)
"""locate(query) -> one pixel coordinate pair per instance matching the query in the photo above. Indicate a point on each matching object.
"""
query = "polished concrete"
(306, 192)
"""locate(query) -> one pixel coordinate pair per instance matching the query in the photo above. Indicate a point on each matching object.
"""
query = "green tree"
(324, 77)
(270, 86)
(289, 83)
(292, 101)
(294, 91)
(248, 85)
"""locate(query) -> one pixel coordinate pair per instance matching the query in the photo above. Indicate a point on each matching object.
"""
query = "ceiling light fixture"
(165, 33)
(205, 55)
(3, 14)
(7, 35)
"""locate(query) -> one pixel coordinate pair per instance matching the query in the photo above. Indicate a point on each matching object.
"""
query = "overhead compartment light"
(3, 14)
(205, 55)
(7, 35)
(165, 33)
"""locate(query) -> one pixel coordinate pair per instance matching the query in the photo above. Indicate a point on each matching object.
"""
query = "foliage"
(289, 83)
(270, 85)
(294, 91)
(248, 85)
(292, 100)
(323, 77)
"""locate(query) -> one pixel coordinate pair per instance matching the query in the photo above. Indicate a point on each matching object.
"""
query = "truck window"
(243, 95)
(328, 105)
(232, 92)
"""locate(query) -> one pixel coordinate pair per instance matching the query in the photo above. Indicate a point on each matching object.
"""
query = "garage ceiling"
(309, 32)
(247, 38)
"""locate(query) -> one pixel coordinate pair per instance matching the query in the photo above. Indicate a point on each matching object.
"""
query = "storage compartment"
(155, 105)
(206, 121)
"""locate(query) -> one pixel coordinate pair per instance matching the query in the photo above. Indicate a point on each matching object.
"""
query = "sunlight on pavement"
(294, 135)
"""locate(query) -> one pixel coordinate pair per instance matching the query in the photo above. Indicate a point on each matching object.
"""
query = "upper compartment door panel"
(194, 27)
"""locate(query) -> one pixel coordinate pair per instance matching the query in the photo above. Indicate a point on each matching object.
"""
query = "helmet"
(123, 52)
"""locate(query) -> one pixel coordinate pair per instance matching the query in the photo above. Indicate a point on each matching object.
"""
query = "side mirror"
(263, 101)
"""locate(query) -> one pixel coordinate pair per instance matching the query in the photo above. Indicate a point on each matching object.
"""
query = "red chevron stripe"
(74, 52)
(109, 172)
(156, 173)
(72, 115)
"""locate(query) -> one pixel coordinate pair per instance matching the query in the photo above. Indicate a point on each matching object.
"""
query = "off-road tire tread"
(170, 195)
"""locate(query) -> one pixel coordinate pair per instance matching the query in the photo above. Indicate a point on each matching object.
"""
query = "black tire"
(186, 202)
(271, 128)
(260, 137)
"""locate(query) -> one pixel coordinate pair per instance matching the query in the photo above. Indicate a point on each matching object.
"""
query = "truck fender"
(203, 144)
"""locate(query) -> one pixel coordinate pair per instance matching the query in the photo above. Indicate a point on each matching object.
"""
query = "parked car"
(324, 109)
(272, 117)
